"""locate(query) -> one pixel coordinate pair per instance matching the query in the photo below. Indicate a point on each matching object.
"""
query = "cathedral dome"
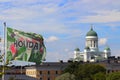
(91, 33)
(87, 48)
(107, 48)
(77, 49)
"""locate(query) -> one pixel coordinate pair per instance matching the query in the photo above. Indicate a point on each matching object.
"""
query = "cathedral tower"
(92, 40)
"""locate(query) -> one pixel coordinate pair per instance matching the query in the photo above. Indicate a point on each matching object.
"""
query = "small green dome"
(87, 48)
(91, 33)
(107, 48)
(77, 49)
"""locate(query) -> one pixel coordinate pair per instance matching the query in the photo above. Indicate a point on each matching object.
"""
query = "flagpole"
(3, 76)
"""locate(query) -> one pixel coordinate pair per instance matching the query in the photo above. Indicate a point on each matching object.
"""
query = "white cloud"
(17, 14)
(66, 50)
(47, 16)
(5, 0)
(102, 41)
(103, 17)
(40, 17)
(90, 12)
(49, 10)
(52, 39)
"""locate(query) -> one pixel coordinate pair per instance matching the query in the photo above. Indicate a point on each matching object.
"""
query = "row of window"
(48, 72)
(31, 72)
(92, 43)
(110, 71)
(41, 72)
(47, 79)
(56, 72)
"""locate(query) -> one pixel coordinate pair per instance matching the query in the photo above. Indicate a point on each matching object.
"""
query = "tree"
(99, 76)
(114, 76)
(84, 71)
(66, 76)
(71, 68)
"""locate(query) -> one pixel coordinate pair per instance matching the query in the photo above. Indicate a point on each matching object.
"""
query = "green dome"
(107, 48)
(77, 49)
(91, 33)
(87, 48)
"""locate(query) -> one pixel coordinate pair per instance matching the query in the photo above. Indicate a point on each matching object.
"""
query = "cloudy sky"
(64, 23)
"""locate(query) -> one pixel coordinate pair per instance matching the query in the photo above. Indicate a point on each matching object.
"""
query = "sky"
(64, 23)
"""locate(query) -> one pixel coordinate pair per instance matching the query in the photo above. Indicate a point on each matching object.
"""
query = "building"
(50, 70)
(91, 51)
(45, 71)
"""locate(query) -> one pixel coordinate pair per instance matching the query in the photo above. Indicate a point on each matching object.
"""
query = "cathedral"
(91, 52)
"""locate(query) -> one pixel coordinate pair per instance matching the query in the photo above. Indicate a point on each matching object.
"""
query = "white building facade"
(91, 52)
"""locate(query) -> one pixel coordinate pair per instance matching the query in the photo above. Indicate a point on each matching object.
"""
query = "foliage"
(85, 71)
(114, 76)
(66, 76)
(71, 68)
(99, 76)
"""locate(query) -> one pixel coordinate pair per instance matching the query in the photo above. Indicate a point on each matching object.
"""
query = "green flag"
(25, 46)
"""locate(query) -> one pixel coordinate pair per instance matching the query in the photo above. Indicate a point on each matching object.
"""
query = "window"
(40, 78)
(91, 43)
(48, 78)
(48, 72)
(40, 72)
(56, 72)
(94, 44)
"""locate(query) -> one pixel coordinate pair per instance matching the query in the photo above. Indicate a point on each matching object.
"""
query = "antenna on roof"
(91, 27)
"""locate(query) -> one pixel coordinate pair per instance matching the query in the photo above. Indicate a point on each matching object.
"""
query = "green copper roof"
(91, 32)
(87, 48)
(107, 48)
(77, 49)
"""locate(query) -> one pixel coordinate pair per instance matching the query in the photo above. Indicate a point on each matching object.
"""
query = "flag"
(25, 46)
